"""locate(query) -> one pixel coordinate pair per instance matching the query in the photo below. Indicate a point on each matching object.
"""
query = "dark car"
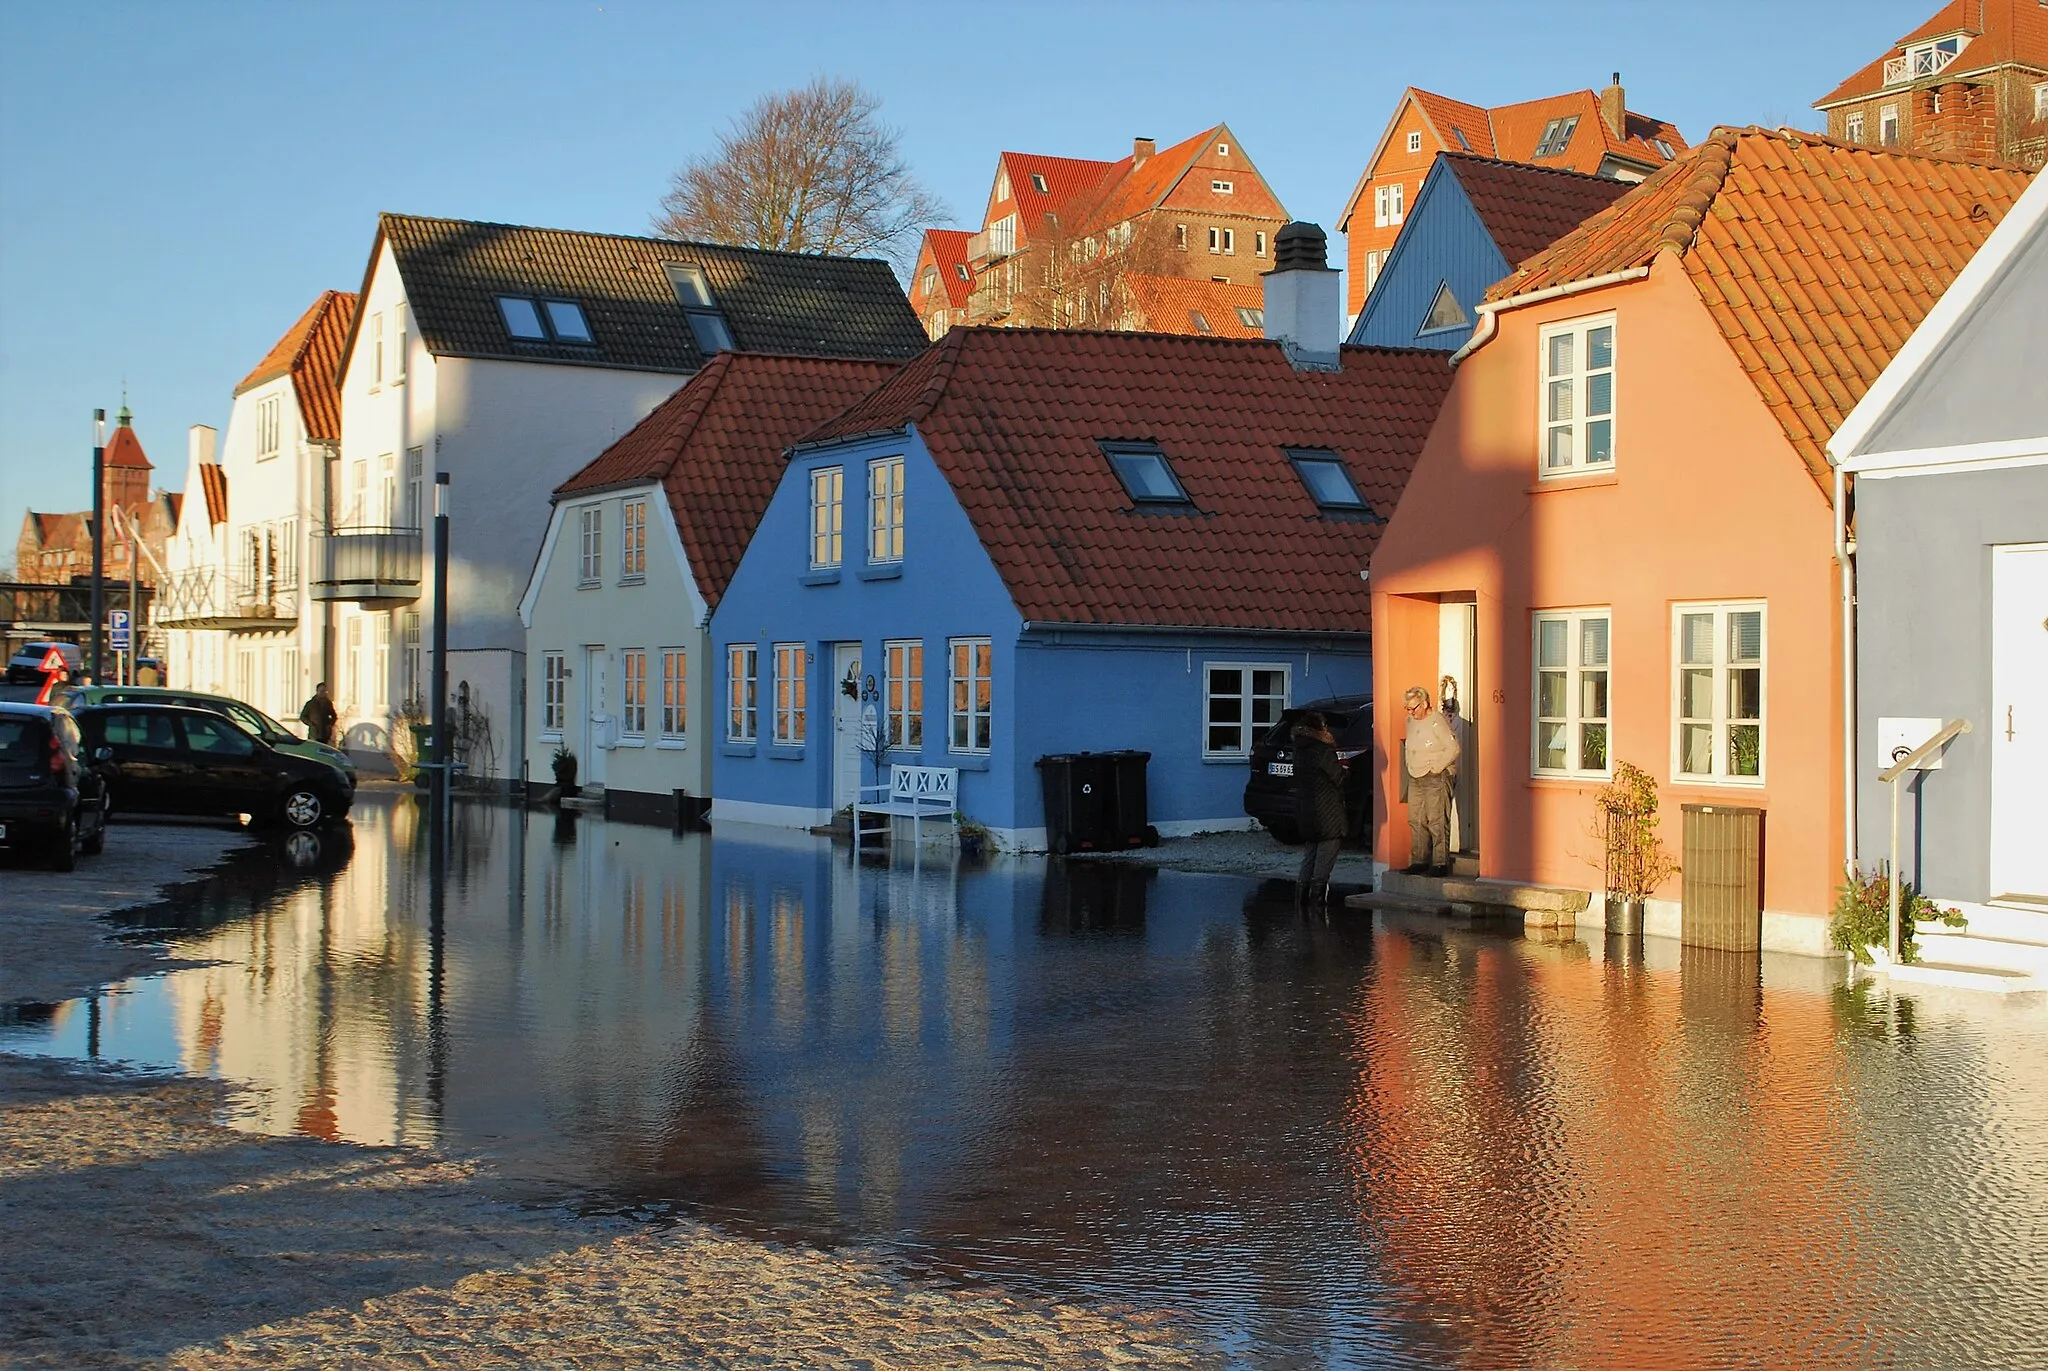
(251, 719)
(171, 759)
(25, 667)
(1269, 791)
(53, 801)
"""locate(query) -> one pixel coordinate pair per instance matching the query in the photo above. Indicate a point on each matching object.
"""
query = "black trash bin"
(1078, 802)
(1129, 823)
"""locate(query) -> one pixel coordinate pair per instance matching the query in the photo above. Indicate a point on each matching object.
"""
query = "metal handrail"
(1890, 776)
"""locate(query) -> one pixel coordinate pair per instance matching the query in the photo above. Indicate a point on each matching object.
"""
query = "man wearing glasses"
(1432, 756)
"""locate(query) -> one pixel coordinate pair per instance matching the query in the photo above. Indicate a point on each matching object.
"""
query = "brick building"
(1972, 81)
(54, 549)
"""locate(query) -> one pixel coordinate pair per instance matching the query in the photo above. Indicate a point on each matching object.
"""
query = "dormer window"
(693, 292)
(1146, 477)
(544, 321)
(1327, 479)
(1038, 182)
(1557, 136)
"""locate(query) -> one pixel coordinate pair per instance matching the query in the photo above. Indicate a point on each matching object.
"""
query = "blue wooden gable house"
(1474, 221)
(1032, 542)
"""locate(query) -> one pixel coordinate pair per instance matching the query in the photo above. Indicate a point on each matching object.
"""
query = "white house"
(638, 551)
(238, 619)
(504, 357)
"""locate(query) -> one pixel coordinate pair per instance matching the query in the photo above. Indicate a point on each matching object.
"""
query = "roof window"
(1557, 136)
(1251, 318)
(1199, 321)
(1463, 141)
(693, 292)
(1038, 182)
(565, 317)
(1444, 311)
(960, 270)
(522, 318)
(1327, 479)
(1664, 148)
(1147, 478)
(544, 321)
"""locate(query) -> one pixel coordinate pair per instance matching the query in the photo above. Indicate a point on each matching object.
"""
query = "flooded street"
(1339, 1143)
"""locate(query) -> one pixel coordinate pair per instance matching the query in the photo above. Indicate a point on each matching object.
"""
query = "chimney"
(1303, 308)
(1614, 108)
(1141, 148)
(199, 440)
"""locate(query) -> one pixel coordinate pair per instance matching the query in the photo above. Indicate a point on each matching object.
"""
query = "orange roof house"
(1618, 542)
(1596, 134)
(1060, 236)
(1971, 80)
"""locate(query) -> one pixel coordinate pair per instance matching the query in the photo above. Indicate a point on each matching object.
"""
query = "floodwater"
(1341, 1143)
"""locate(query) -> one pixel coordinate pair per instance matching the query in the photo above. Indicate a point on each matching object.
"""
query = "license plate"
(1279, 768)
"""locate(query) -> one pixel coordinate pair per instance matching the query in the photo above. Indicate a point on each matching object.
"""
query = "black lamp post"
(439, 707)
(99, 535)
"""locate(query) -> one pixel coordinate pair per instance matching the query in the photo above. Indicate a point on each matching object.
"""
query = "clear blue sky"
(179, 180)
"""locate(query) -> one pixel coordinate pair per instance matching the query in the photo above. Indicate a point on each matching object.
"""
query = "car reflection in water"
(1335, 1141)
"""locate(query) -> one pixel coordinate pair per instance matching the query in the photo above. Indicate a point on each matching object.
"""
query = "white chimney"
(1304, 304)
(199, 440)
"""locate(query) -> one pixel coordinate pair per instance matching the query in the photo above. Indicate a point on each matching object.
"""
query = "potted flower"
(974, 838)
(564, 763)
(1636, 862)
(1861, 921)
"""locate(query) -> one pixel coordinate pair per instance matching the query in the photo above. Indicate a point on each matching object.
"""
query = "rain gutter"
(1487, 313)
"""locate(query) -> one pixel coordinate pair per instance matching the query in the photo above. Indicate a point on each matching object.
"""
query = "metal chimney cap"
(1300, 246)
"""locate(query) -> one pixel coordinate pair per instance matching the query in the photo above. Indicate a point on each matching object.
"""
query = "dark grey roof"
(794, 304)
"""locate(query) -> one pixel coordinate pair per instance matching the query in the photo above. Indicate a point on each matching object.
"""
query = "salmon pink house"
(1618, 543)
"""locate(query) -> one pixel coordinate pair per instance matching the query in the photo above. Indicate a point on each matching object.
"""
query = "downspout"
(1488, 323)
(1845, 558)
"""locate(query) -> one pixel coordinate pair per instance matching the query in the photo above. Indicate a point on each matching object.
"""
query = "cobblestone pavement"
(53, 945)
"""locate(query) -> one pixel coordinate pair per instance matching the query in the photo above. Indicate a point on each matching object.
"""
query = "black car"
(170, 759)
(53, 802)
(25, 667)
(1269, 791)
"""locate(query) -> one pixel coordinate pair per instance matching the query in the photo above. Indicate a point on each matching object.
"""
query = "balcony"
(1916, 65)
(377, 568)
(238, 597)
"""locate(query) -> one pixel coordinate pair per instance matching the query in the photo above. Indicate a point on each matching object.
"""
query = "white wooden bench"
(915, 793)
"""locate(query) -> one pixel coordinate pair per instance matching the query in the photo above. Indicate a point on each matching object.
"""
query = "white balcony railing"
(216, 596)
(1914, 65)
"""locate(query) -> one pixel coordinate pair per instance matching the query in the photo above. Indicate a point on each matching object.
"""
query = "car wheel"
(65, 858)
(303, 807)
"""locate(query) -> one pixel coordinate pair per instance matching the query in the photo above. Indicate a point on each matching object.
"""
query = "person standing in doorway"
(319, 716)
(1319, 806)
(1432, 756)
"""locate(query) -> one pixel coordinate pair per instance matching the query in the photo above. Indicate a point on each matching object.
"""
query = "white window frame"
(1230, 242)
(409, 631)
(1249, 724)
(1180, 236)
(398, 342)
(1414, 141)
(1580, 376)
(1375, 263)
(380, 662)
(554, 693)
(742, 692)
(1259, 243)
(1721, 668)
(633, 540)
(885, 509)
(633, 692)
(269, 425)
(1388, 207)
(1888, 126)
(1215, 239)
(1576, 670)
(903, 693)
(675, 694)
(2041, 100)
(1223, 187)
(791, 677)
(377, 349)
(1852, 127)
(284, 553)
(590, 523)
(828, 517)
(965, 708)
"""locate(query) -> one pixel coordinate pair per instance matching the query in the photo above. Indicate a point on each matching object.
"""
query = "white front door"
(1457, 695)
(846, 724)
(597, 720)
(2019, 720)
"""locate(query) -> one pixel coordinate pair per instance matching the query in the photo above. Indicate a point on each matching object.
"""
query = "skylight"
(522, 318)
(565, 317)
(1251, 318)
(1038, 182)
(693, 292)
(1664, 148)
(1199, 321)
(1147, 478)
(1463, 142)
(1327, 479)
(544, 321)
(1557, 136)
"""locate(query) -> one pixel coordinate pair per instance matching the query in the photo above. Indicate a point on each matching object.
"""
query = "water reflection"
(1325, 1140)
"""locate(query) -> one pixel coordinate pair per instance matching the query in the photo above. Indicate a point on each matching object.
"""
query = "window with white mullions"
(591, 567)
(742, 682)
(675, 683)
(973, 667)
(789, 694)
(828, 491)
(1578, 397)
(1718, 656)
(554, 691)
(1241, 701)
(903, 692)
(633, 697)
(633, 541)
(885, 510)
(1572, 708)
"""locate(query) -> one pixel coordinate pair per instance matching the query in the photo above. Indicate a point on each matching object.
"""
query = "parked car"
(53, 797)
(173, 759)
(25, 667)
(1269, 790)
(250, 719)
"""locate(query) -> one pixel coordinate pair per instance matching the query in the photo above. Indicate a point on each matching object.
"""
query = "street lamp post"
(439, 705)
(99, 535)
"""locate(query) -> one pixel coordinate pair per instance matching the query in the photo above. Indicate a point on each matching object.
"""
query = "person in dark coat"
(319, 715)
(1319, 805)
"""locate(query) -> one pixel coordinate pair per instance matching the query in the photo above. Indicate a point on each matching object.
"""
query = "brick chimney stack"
(1141, 148)
(1614, 108)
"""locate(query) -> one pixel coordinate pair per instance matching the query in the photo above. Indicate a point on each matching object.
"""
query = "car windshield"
(254, 720)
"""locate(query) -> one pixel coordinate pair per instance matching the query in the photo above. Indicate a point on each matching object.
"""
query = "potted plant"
(564, 763)
(975, 839)
(1636, 862)
(1861, 921)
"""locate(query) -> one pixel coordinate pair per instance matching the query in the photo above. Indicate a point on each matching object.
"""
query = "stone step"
(2008, 922)
(1962, 948)
(1539, 906)
(1403, 904)
(1991, 981)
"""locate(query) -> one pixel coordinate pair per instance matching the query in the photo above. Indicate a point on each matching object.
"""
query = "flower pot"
(565, 776)
(1624, 917)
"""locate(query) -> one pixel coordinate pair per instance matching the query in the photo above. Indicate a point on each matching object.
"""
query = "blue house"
(1031, 542)
(1473, 222)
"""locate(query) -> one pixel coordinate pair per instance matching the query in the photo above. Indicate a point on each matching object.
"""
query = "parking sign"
(117, 630)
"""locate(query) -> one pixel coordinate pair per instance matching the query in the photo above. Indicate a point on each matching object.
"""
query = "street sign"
(54, 670)
(117, 630)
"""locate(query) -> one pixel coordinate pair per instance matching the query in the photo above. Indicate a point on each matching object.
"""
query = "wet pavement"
(1343, 1142)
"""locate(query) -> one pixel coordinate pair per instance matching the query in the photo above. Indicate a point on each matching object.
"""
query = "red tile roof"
(311, 352)
(1067, 180)
(1451, 117)
(124, 449)
(2001, 32)
(1525, 208)
(213, 483)
(948, 251)
(1815, 258)
(1014, 418)
(717, 447)
(1193, 304)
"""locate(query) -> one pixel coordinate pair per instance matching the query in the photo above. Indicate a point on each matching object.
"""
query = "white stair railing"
(1903, 762)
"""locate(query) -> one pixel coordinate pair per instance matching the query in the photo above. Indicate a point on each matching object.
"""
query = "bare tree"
(1077, 270)
(807, 170)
